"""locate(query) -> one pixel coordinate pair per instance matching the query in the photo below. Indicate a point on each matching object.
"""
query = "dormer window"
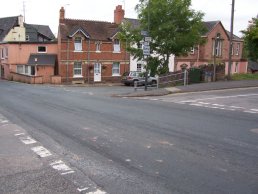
(42, 49)
(116, 46)
(78, 44)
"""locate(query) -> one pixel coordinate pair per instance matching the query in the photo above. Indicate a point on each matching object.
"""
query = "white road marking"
(27, 140)
(97, 192)
(19, 134)
(83, 189)
(4, 121)
(62, 167)
(252, 112)
(128, 160)
(41, 151)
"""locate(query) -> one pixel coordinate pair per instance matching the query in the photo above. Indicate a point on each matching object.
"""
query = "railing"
(167, 80)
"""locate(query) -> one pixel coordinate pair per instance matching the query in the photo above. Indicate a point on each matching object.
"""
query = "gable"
(77, 30)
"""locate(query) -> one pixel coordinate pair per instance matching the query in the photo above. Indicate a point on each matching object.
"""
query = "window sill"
(117, 52)
(77, 76)
(98, 51)
(116, 75)
(78, 51)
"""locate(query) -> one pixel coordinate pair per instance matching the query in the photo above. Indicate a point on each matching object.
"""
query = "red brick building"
(90, 51)
(215, 49)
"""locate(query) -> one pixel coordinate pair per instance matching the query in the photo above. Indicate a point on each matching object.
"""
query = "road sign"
(144, 33)
(146, 50)
(147, 39)
(146, 43)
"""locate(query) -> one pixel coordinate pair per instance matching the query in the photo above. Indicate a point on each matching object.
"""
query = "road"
(95, 143)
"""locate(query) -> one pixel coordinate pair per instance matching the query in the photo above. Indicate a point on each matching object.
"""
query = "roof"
(42, 59)
(34, 30)
(96, 30)
(210, 25)
(6, 24)
(253, 65)
(134, 22)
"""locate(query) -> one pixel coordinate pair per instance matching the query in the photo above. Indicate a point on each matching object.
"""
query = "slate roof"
(42, 59)
(6, 24)
(134, 22)
(33, 30)
(253, 65)
(97, 30)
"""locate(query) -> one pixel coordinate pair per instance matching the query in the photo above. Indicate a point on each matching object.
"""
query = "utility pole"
(147, 61)
(23, 9)
(231, 39)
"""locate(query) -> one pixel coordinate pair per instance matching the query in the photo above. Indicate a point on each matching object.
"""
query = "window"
(26, 69)
(217, 46)
(237, 48)
(2, 53)
(139, 67)
(77, 69)
(236, 68)
(27, 38)
(116, 46)
(20, 69)
(42, 49)
(78, 44)
(192, 50)
(97, 46)
(6, 52)
(232, 51)
(116, 69)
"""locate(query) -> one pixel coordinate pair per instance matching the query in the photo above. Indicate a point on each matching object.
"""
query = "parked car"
(129, 78)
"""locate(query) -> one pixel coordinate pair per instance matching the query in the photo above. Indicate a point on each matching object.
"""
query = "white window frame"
(116, 69)
(237, 49)
(232, 50)
(2, 53)
(20, 69)
(217, 49)
(192, 50)
(116, 45)
(77, 68)
(78, 44)
(42, 51)
(27, 38)
(98, 47)
(236, 67)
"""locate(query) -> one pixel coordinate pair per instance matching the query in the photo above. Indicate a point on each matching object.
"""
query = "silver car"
(129, 78)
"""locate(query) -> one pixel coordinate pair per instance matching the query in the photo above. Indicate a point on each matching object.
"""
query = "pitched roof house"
(18, 43)
(90, 51)
(215, 50)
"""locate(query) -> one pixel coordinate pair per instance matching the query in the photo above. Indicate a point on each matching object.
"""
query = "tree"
(251, 40)
(174, 27)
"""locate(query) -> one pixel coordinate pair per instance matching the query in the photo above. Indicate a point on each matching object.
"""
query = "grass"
(246, 76)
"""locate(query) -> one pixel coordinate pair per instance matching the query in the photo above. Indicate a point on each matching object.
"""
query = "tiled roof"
(33, 29)
(6, 24)
(134, 22)
(97, 30)
(210, 26)
(42, 59)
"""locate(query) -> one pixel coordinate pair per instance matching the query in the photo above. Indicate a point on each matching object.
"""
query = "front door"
(97, 72)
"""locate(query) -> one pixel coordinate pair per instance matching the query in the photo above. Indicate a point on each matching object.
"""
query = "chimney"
(119, 14)
(20, 20)
(61, 14)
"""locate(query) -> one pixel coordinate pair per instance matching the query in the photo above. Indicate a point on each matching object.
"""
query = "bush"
(244, 76)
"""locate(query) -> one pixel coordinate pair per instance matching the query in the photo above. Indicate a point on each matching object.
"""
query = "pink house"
(28, 53)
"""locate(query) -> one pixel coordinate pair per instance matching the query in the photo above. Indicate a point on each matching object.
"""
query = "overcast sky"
(47, 12)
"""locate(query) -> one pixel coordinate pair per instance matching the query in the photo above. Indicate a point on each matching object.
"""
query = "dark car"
(129, 78)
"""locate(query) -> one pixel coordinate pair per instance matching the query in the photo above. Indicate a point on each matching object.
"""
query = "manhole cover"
(254, 130)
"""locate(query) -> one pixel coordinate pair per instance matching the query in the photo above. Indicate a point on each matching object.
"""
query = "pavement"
(198, 87)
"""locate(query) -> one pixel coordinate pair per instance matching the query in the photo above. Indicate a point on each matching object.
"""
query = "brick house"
(90, 51)
(20, 43)
(215, 49)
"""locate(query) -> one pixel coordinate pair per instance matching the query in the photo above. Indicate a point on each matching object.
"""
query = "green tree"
(173, 26)
(251, 40)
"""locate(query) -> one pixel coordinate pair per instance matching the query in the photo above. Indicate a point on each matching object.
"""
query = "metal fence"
(171, 79)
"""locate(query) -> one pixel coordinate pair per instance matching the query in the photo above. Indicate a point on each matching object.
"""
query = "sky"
(47, 12)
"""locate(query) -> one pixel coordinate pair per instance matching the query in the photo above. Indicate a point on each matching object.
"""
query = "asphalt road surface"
(92, 142)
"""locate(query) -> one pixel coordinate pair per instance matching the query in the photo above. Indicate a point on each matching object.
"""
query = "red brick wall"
(106, 57)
